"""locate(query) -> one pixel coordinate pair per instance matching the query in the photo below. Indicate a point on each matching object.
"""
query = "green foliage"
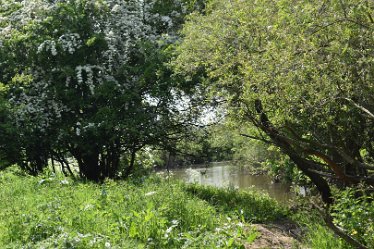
(221, 142)
(302, 73)
(209, 144)
(10, 151)
(354, 212)
(54, 212)
(294, 57)
(315, 233)
(88, 80)
(253, 206)
(319, 237)
(229, 144)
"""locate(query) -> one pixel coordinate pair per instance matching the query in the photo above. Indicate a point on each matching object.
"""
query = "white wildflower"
(88, 207)
(107, 245)
(169, 230)
(150, 193)
(64, 182)
(78, 69)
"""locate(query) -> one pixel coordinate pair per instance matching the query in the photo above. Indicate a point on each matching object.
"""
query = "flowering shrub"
(87, 79)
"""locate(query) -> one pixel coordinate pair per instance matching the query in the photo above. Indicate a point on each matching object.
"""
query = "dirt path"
(273, 236)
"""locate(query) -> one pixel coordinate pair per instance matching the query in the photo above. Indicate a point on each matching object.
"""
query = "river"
(234, 176)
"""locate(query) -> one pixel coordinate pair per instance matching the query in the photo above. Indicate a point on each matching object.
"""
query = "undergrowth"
(55, 212)
(254, 206)
(316, 235)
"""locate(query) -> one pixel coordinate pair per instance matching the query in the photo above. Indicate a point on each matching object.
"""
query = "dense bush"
(88, 80)
(354, 211)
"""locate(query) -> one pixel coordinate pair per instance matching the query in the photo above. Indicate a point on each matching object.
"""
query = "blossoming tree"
(87, 79)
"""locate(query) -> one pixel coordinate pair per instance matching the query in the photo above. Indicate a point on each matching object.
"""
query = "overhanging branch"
(257, 138)
(371, 115)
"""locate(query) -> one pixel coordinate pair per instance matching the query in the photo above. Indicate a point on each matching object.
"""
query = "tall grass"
(54, 212)
(252, 205)
(319, 237)
(316, 234)
(150, 212)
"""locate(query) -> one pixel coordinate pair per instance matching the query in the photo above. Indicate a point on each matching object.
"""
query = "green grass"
(316, 234)
(53, 212)
(319, 237)
(148, 212)
(252, 205)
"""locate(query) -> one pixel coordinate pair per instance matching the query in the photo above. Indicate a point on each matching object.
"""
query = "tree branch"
(337, 230)
(257, 138)
(371, 115)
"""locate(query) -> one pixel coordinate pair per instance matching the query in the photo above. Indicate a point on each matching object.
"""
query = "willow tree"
(87, 79)
(300, 71)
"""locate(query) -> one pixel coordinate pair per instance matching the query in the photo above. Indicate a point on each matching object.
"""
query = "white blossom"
(86, 75)
(70, 42)
(48, 45)
(167, 20)
(127, 23)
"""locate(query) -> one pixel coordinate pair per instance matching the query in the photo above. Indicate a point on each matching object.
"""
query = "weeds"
(53, 212)
(148, 212)
(254, 206)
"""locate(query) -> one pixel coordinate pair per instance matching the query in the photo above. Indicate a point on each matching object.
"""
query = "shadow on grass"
(251, 205)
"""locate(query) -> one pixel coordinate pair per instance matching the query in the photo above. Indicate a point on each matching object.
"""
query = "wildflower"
(64, 182)
(150, 193)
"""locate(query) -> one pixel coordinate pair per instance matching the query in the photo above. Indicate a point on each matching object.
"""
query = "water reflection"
(234, 176)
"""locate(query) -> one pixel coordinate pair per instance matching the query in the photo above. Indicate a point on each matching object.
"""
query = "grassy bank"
(54, 212)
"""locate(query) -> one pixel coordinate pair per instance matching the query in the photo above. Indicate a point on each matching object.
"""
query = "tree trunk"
(130, 168)
(91, 166)
(88, 162)
(303, 164)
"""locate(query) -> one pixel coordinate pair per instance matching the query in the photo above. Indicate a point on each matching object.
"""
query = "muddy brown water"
(234, 176)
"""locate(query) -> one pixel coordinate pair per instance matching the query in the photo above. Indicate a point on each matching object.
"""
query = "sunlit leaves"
(81, 72)
(300, 59)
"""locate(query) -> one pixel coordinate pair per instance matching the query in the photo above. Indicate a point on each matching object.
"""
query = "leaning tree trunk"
(306, 166)
(310, 168)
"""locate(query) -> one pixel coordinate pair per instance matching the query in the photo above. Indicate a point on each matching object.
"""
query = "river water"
(234, 176)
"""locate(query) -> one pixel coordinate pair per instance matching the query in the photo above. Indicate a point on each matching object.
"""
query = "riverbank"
(148, 212)
(228, 175)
